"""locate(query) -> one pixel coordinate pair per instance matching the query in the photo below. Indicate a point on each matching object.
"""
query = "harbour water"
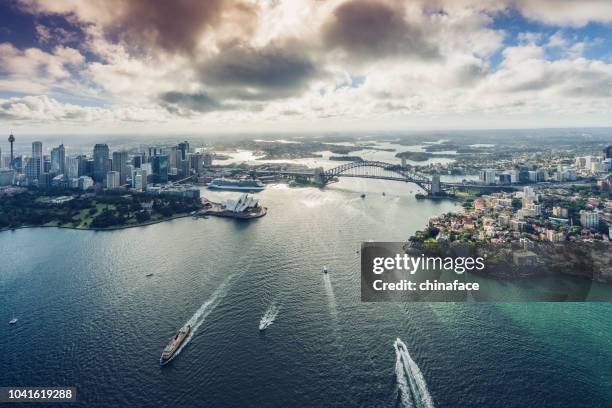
(90, 318)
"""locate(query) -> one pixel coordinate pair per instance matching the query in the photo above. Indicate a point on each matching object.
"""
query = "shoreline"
(115, 228)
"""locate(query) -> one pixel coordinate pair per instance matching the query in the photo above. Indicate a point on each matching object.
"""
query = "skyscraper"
(72, 167)
(100, 158)
(112, 180)
(160, 169)
(608, 152)
(120, 165)
(58, 160)
(33, 169)
(184, 148)
(37, 150)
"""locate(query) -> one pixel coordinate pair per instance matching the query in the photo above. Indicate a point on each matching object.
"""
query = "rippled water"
(89, 317)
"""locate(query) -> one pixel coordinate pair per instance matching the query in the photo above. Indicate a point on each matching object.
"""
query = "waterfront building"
(208, 159)
(487, 176)
(505, 178)
(100, 162)
(244, 203)
(120, 160)
(435, 184)
(197, 163)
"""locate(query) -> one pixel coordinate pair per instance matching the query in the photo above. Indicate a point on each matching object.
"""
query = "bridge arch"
(358, 169)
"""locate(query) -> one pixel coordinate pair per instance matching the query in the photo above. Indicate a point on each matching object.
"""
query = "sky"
(217, 66)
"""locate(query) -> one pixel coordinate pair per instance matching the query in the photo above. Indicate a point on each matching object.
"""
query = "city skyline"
(250, 66)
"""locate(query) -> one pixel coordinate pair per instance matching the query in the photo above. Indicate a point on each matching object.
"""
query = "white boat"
(13, 320)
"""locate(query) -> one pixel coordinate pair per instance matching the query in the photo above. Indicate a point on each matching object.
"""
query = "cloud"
(566, 12)
(184, 103)
(375, 29)
(172, 26)
(240, 71)
(258, 61)
(34, 70)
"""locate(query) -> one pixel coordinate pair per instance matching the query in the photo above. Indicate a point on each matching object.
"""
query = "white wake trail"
(410, 380)
(269, 316)
(331, 296)
(207, 307)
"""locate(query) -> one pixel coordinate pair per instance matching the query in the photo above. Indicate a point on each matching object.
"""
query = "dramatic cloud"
(218, 63)
(175, 26)
(375, 29)
(178, 102)
(244, 72)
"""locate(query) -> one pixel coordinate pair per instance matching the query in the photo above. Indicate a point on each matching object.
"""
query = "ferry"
(250, 185)
(175, 343)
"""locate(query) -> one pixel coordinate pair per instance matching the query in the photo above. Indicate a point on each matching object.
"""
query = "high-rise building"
(160, 169)
(112, 180)
(435, 184)
(37, 150)
(197, 163)
(208, 159)
(58, 160)
(184, 149)
(185, 169)
(139, 180)
(608, 152)
(589, 219)
(100, 162)
(137, 160)
(487, 176)
(72, 167)
(33, 169)
(120, 165)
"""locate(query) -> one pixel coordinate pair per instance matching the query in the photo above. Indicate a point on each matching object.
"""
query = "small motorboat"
(148, 275)
(363, 196)
(384, 194)
(325, 269)
(13, 320)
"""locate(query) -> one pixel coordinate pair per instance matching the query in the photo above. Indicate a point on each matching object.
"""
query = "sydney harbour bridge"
(372, 170)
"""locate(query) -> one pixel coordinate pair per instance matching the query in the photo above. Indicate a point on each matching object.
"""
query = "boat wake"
(268, 318)
(410, 381)
(331, 297)
(207, 307)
